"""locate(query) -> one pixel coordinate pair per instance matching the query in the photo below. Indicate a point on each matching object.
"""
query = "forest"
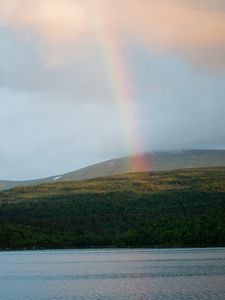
(184, 208)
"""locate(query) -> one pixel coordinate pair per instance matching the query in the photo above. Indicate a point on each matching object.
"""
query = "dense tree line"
(121, 219)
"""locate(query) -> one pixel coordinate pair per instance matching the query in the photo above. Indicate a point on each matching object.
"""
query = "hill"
(147, 209)
(156, 161)
(153, 162)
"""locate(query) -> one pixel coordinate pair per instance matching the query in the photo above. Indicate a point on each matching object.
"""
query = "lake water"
(113, 274)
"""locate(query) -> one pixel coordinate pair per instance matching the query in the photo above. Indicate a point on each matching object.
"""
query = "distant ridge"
(157, 161)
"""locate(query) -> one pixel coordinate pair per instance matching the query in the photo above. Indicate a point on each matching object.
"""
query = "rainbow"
(122, 89)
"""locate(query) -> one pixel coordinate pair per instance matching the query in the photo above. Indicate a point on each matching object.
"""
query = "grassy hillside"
(172, 208)
(156, 161)
(153, 162)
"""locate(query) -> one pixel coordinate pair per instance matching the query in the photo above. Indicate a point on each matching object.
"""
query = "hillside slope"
(154, 162)
(166, 209)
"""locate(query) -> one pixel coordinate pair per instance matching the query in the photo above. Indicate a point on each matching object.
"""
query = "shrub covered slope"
(155, 209)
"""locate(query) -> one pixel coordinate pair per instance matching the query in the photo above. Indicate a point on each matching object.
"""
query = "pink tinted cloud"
(196, 31)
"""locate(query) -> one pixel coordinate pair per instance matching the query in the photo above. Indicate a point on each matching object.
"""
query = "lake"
(159, 274)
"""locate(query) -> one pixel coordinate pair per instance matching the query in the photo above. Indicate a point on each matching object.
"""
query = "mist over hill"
(156, 161)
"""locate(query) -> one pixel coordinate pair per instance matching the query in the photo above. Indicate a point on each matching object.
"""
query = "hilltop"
(156, 161)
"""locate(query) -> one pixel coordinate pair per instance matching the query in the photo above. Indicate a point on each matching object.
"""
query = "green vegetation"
(164, 209)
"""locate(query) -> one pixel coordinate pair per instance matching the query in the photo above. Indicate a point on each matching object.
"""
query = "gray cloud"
(23, 69)
(56, 118)
(41, 138)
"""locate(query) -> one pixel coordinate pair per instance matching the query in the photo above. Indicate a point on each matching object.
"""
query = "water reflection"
(113, 274)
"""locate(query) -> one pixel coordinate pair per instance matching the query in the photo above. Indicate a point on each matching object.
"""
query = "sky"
(82, 81)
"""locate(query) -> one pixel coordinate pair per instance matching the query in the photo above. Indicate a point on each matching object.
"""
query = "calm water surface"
(113, 274)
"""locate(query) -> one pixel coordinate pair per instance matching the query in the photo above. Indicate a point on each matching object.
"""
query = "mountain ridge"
(156, 161)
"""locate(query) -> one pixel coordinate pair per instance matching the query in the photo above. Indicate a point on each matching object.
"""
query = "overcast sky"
(58, 110)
